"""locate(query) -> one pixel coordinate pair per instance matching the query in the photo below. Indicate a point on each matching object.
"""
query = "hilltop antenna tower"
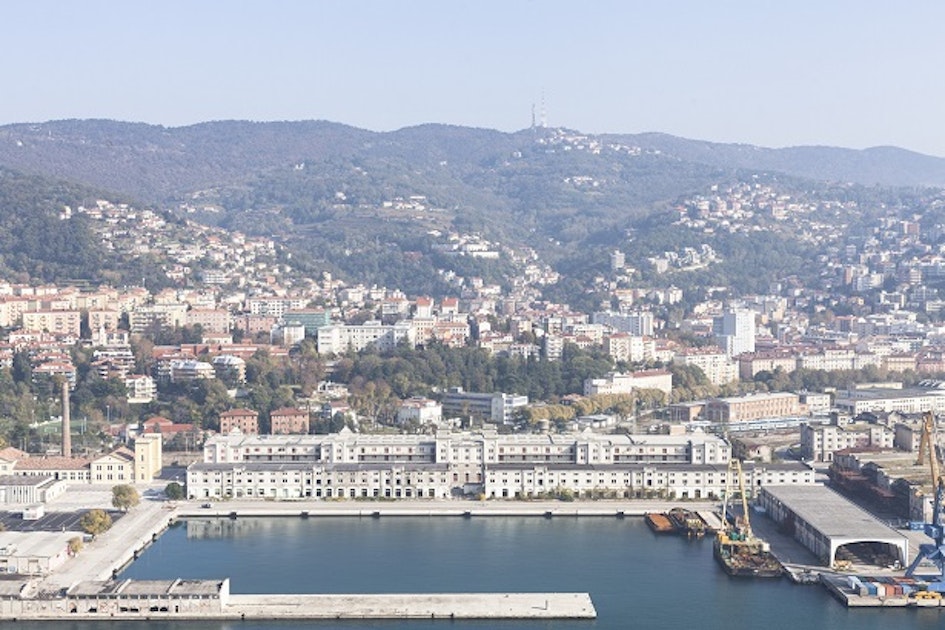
(544, 112)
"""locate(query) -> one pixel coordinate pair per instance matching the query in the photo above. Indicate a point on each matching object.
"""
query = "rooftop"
(831, 514)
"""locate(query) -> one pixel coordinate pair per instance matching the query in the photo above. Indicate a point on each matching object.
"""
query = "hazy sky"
(854, 73)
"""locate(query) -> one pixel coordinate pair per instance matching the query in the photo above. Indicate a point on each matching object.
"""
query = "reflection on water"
(203, 529)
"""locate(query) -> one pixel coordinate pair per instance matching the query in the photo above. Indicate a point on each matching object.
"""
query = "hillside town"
(239, 296)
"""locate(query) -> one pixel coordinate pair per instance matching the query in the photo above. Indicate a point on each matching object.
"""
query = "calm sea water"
(636, 579)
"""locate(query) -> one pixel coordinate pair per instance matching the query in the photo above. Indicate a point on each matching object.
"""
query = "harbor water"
(635, 578)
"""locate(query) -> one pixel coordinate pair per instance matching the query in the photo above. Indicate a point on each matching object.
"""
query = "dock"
(143, 600)
(413, 606)
(466, 509)
(851, 592)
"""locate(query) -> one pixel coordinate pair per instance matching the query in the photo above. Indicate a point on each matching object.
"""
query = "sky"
(774, 73)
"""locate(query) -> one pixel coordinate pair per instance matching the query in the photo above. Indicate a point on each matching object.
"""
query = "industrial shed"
(824, 522)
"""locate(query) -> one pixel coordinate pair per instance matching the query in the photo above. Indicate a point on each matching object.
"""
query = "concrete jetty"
(419, 606)
(210, 599)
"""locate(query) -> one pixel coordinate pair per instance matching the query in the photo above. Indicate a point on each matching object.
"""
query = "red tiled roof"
(11, 454)
(239, 412)
(56, 462)
(288, 411)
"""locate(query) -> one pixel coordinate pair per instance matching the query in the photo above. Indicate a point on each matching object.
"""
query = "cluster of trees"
(819, 380)
(623, 405)
(429, 370)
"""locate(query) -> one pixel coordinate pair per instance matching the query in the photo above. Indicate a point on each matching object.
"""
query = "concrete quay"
(413, 606)
(226, 606)
(439, 508)
(114, 549)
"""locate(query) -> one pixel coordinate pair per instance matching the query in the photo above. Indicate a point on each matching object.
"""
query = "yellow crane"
(736, 548)
(742, 529)
(933, 552)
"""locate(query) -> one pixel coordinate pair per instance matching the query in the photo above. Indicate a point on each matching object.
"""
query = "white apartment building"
(140, 388)
(735, 331)
(639, 324)
(718, 367)
(273, 306)
(339, 338)
(819, 442)
(910, 401)
(495, 407)
(420, 411)
(629, 348)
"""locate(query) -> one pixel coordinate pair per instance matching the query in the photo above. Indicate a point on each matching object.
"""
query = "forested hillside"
(41, 241)
(374, 207)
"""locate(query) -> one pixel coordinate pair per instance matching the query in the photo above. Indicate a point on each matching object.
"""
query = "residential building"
(819, 442)
(718, 367)
(245, 420)
(639, 324)
(54, 322)
(735, 331)
(420, 411)
(141, 389)
(337, 339)
(494, 407)
(211, 321)
(617, 383)
(288, 421)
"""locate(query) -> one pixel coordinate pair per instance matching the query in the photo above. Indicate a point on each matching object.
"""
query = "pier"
(416, 606)
(211, 599)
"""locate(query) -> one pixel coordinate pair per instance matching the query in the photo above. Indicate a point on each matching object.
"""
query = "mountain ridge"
(158, 163)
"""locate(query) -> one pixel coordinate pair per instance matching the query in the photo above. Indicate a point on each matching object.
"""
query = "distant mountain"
(155, 163)
(884, 166)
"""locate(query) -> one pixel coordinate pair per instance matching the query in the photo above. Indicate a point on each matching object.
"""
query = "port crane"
(742, 525)
(736, 548)
(933, 552)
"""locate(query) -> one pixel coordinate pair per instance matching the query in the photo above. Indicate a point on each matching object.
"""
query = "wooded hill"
(341, 197)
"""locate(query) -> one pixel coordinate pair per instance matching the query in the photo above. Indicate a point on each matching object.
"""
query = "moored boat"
(659, 523)
(745, 558)
(687, 522)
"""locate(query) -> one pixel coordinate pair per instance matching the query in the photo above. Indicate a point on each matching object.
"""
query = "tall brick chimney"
(66, 429)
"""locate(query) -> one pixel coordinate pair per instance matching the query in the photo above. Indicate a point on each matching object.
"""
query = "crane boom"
(934, 552)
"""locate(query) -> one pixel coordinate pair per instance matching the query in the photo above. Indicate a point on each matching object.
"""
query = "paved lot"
(51, 522)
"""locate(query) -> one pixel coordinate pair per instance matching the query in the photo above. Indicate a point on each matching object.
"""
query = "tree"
(75, 545)
(174, 491)
(124, 497)
(95, 522)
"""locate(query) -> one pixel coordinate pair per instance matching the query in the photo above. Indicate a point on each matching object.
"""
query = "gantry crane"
(933, 552)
